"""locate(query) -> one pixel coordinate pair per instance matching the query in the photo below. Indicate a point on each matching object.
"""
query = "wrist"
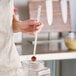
(16, 26)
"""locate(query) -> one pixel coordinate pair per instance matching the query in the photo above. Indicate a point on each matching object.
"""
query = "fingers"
(35, 26)
(34, 22)
(38, 27)
(31, 26)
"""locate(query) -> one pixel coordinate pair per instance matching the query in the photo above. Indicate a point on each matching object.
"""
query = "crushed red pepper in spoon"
(33, 58)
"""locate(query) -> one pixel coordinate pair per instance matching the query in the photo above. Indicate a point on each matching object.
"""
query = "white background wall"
(23, 10)
(73, 14)
(68, 66)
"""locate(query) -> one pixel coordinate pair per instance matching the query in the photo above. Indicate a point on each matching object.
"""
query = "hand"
(30, 26)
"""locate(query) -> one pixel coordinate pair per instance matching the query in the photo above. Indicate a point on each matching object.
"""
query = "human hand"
(30, 26)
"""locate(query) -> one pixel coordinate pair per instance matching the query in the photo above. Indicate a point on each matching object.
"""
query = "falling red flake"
(33, 58)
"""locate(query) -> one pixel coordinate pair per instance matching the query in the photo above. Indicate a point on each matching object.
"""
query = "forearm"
(26, 26)
(15, 24)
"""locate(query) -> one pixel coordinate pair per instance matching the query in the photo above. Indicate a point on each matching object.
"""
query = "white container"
(35, 69)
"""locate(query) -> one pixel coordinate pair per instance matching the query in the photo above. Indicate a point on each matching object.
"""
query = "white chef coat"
(9, 59)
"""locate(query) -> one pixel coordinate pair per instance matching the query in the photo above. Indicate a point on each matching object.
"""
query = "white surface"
(17, 37)
(51, 56)
(64, 10)
(49, 11)
(73, 14)
(35, 68)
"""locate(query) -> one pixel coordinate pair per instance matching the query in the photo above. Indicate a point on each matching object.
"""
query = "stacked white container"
(35, 69)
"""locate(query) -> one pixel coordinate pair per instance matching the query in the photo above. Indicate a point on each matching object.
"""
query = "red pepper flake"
(15, 9)
(33, 58)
